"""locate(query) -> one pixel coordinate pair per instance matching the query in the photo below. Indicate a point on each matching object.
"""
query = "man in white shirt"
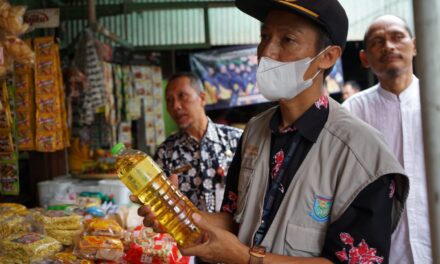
(393, 107)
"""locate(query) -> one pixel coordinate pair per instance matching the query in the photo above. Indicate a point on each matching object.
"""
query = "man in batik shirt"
(200, 153)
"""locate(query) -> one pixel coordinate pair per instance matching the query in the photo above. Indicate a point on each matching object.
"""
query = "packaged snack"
(6, 143)
(100, 247)
(13, 223)
(46, 85)
(48, 104)
(19, 50)
(45, 67)
(47, 122)
(27, 247)
(44, 46)
(14, 208)
(45, 142)
(103, 227)
(146, 246)
(64, 236)
(65, 258)
(56, 220)
(11, 19)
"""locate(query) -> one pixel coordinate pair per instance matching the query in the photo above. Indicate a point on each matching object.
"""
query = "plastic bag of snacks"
(146, 246)
(103, 227)
(13, 208)
(58, 220)
(27, 247)
(64, 258)
(11, 18)
(13, 224)
(100, 247)
(62, 225)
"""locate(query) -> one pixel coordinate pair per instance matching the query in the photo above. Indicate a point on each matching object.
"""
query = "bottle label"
(141, 174)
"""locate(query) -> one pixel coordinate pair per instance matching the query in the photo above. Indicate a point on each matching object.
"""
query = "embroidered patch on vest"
(321, 208)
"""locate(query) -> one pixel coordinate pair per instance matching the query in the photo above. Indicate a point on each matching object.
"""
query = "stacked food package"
(61, 225)
(12, 50)
(69, 235)
(25, 105)
(51, 124)
(101, 241)
(9, 181)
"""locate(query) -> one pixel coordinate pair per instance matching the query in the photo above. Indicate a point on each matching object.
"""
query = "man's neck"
(293, 109)
(398, 84)
(198, 129)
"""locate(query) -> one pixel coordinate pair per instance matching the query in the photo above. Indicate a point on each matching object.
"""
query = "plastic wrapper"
(103, 227)
(58, 220)
(13, 223)
(64, 258)
(18, 50)
(11, 19)
(100, 247)
(27, 247)
(65, 237)
(148, 247)
(13, 208)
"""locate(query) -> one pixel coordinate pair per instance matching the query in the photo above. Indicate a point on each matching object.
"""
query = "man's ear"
(329, 58)
(363, 58)
(415, 47)
(202, 96)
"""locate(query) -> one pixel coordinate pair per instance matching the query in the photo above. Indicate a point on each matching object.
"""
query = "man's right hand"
(145, 210)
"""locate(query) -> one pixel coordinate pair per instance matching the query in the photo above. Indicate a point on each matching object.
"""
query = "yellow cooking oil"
(145, 179)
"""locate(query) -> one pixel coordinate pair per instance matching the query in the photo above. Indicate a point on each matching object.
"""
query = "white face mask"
(283, 80)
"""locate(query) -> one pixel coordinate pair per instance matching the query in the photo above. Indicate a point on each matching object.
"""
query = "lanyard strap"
(276, 185)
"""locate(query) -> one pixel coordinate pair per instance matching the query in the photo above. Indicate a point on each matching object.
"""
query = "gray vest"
(347, 156)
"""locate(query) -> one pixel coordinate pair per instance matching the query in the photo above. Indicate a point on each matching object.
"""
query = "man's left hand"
(218, 245)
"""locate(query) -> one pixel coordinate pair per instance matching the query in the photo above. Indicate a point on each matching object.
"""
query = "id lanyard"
(275, 187)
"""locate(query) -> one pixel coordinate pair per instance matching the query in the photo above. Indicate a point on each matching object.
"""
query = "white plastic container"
(57, 191)
(117, 189)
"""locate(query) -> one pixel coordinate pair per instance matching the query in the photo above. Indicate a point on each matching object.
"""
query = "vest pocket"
(243, 186)
(303, 241)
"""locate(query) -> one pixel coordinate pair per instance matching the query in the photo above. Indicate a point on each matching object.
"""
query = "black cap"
(329, 14)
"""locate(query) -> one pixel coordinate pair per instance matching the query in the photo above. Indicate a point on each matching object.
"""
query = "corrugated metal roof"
(227, 25)
(230, 26)
(166, 27)
(362, 12)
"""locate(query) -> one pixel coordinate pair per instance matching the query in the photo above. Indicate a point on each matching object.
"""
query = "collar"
(409, 93)
(309, 124)
(211, 132)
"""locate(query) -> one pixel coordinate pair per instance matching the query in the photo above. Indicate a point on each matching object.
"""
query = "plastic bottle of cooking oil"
(145, 179)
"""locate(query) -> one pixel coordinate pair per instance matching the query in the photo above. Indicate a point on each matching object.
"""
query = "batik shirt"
(362, 234)
(201, 167)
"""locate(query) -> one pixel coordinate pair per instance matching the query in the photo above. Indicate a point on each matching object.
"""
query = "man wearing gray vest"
(309, 183)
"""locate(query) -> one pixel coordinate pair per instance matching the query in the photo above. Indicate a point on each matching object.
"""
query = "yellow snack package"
(64, 236)
(48, 103)
(6, 143)
(25, 138)
(45, 67)
(44, 46)
(13, 208)
(45, 142)
(103, 227)
(27, 247)
(69, 258)
(46, 85)
(47, 122)
(100, 247)
(14, 223)
(58, 220)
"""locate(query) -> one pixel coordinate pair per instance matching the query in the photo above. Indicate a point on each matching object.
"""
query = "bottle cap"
(117, 149)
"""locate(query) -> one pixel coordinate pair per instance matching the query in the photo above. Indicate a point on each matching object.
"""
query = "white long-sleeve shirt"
(398, 118)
